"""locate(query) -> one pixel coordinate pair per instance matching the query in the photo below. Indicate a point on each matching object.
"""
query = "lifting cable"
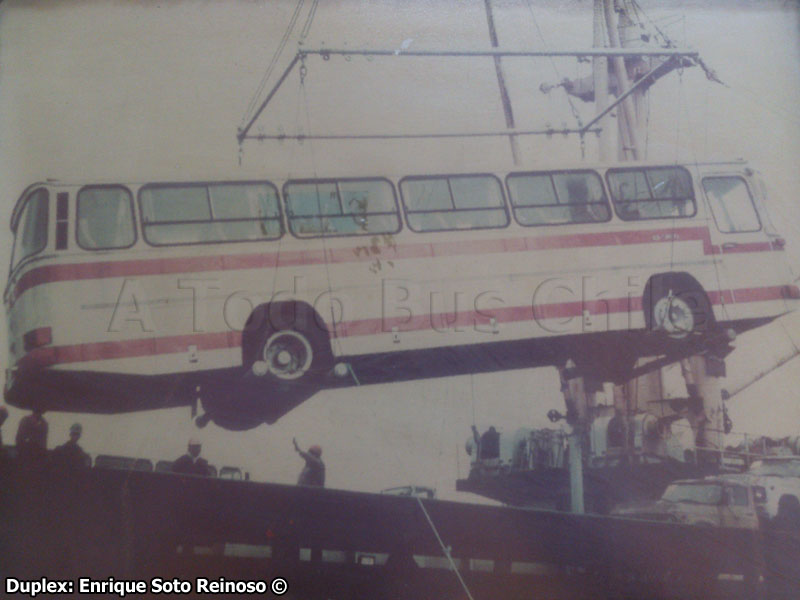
(472, 392)
(572, 107)
(297, 119)
(639, 13)
(683, 109)
(334, 333)
(309, 20)
(445, 549)
(274, 61)
(575, 114)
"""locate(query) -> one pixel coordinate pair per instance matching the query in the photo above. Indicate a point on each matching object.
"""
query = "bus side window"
(731, 204)
(197, 213)
(454, 202)
(244, 212)
(341, 207)
(105, 218)
(651, 193)
(558, 198)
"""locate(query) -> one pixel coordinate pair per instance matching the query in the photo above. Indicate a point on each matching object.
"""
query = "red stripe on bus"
(483, 319)
(723, 297)
(48, 356)
(131, 348)
(758, 294)
(751, 247)
(363, 253)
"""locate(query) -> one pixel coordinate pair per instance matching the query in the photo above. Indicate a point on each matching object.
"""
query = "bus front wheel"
(677, 307)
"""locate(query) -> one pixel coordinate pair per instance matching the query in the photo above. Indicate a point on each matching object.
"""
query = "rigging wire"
(441, 442)
(639, 11)
(683, 108)
(334, 332)
(297, 118)
(574, 110)
(472, 393)
(680, 116)
(677, 150)
(401, 465)
(781, 363)
(275, 57)
(647, 128)
(776, 109)
(445, 550)
(309, 20)
(788, 335)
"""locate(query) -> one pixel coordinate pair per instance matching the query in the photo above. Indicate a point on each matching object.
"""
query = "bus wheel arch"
(288, 339)
(675, 304)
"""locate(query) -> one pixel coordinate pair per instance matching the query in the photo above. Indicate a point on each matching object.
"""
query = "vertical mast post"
(501, 83)
(600, 75)
(629, 145)
(638, 66)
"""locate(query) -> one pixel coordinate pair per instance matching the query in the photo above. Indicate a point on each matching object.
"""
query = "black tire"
(288, 347)
(677, 309)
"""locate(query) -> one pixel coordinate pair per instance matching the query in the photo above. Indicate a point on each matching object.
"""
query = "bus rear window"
(341, 207)
(31, 232)
(174, 214)
(557, 198)
(652, 193)
(453, 202)
(105, 218)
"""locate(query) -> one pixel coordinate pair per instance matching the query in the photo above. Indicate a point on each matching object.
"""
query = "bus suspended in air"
(253, 295)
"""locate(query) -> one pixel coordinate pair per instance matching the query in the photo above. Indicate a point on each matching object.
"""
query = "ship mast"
(600, 76)
(702, 373)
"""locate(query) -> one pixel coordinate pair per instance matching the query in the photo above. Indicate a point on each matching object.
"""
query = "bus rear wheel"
(289, 348)
(286, 355)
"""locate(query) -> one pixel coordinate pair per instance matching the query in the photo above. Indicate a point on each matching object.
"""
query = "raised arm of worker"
(307, 456)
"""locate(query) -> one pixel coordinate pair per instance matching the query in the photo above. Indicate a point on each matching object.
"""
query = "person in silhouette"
(191, 463)
(70, 455)
(490, 444)
(313, 473)
(31, 437)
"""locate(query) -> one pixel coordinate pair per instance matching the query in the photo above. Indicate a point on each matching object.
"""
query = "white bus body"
(129, 296)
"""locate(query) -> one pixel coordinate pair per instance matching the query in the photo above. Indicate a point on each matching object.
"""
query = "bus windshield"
(782, 468)
(30, 235)
(699, 493)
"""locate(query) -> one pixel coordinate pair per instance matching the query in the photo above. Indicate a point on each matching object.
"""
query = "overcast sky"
(121, 91)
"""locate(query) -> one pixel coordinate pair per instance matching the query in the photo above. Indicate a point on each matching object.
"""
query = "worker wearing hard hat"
(70, 455)
(191, 463)
(313, 473)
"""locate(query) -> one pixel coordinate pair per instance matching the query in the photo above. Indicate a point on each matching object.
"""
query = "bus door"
(742, 238)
